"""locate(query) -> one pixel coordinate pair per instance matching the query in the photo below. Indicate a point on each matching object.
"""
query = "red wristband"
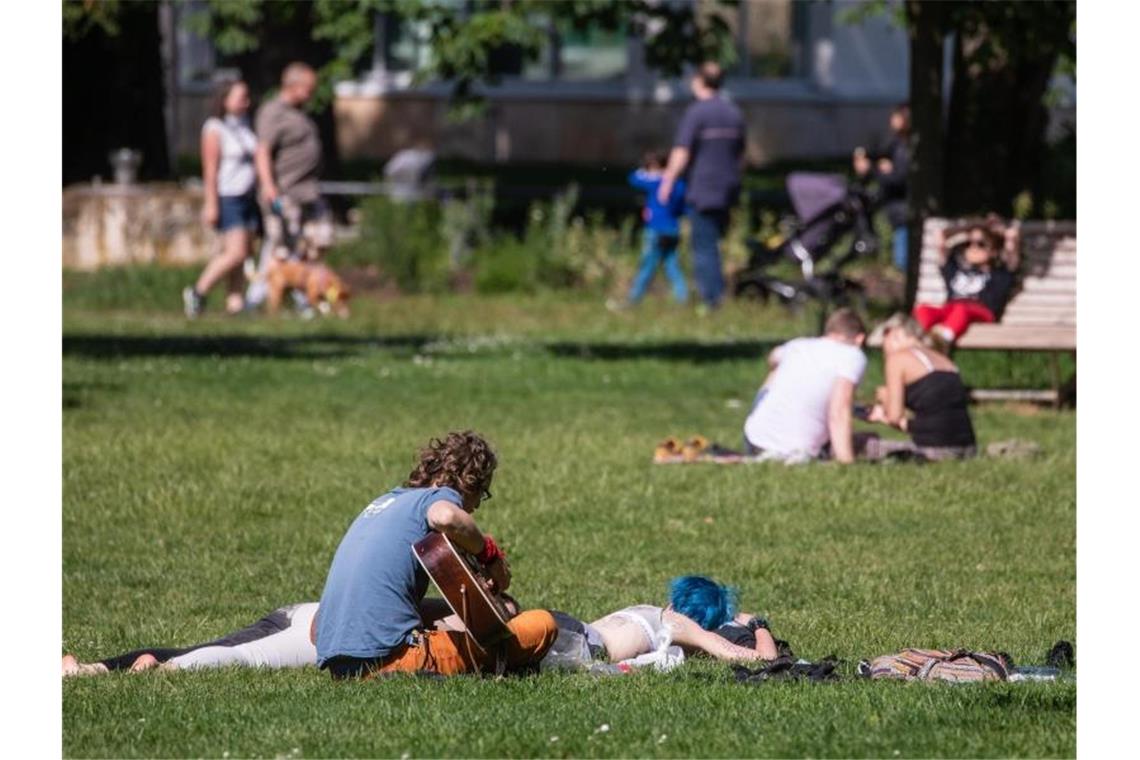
(491, 551)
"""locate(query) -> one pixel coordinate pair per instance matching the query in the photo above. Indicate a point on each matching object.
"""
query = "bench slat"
(1020, 337)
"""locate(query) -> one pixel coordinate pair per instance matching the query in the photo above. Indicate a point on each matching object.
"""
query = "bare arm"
(839, 420)
(894, 408)
(453, 522)
(211, 157)
(678, 160)
(264, 164)
(765, 644)
(774, 357)
(689, 635)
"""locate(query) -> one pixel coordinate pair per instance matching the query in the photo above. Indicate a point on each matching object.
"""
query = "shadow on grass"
(231, 346)
(76, 395)
(107, 347)
(681, 351)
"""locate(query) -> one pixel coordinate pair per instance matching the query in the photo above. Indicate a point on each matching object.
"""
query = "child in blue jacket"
(662, 230)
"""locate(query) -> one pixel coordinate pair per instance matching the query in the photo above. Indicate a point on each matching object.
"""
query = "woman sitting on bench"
(978, 262)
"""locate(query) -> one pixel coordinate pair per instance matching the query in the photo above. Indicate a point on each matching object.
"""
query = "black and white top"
(991, 287)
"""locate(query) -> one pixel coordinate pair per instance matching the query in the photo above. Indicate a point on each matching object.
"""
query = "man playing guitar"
(370, 620)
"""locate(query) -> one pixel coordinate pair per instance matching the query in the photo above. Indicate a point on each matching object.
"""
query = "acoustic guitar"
(465, 587)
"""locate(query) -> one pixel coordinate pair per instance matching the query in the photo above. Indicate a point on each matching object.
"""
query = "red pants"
(955, 316)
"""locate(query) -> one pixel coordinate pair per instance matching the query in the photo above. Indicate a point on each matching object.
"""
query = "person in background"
(927, 383)
(979, 258)
(804, 409)
(289, 159)
(709, 149)
(229, 200)
(890, 173)
(662, 232)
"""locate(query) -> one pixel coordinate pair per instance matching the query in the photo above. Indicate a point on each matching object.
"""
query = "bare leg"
(235, 295)
(144, 662)
(235, 244)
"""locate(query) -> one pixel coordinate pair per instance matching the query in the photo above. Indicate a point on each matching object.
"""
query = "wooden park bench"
(1041, 316)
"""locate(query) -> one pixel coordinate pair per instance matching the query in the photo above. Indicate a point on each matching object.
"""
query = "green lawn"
(210, 470)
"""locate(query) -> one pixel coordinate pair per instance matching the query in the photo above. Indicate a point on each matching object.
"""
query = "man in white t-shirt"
(806, 400)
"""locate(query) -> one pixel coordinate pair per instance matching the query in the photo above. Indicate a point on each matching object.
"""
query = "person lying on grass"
(370, 617)
(701, 618)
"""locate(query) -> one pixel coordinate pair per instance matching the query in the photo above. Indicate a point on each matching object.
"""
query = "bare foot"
(73, 667)
(143, 662)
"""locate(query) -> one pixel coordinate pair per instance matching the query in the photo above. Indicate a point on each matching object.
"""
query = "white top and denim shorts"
(237, 175)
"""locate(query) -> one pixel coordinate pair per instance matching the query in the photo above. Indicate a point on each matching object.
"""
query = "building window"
(767, 36)
(195, 54)
(590, 54)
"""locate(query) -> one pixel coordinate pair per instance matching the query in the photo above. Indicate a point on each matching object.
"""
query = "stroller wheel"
(753, 291)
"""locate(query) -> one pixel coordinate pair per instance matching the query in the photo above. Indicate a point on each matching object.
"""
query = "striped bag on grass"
(940, 665)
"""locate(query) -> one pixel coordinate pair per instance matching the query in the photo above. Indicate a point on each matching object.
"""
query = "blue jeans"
(658, 248)
(901, 242)
(708, 227)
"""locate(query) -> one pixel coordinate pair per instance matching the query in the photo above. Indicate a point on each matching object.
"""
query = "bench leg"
(1055, 367)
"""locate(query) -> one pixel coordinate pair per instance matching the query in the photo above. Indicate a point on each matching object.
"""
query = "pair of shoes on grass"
(672, 450)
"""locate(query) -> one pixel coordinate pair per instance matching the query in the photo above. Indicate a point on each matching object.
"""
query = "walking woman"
(230, 205)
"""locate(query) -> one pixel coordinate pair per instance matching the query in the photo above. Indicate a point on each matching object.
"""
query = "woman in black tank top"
(927, 383)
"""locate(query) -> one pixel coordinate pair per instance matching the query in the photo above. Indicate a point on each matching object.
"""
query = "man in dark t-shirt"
(709, 144)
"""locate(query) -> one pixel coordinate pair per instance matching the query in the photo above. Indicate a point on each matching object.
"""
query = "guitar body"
(460, 579)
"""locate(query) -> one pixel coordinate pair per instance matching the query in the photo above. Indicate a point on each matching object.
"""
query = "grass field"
(210, 469)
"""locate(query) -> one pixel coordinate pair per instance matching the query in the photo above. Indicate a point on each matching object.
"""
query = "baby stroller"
(827, 208)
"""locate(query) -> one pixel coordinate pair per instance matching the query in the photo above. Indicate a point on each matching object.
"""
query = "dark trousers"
(708, 228)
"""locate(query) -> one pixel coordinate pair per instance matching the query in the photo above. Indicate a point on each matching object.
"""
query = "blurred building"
(810, 85)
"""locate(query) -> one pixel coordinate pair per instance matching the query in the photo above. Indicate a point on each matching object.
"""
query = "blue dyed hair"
(703, 600)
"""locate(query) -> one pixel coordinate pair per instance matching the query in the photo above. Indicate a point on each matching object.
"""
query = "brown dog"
(320, 284)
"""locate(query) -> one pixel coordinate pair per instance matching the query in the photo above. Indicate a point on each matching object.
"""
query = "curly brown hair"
(464, 461)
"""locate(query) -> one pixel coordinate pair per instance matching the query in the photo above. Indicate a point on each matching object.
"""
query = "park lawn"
(210, 469)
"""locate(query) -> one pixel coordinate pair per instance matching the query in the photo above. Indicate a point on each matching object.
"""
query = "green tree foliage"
(468, 41)
(80, 18)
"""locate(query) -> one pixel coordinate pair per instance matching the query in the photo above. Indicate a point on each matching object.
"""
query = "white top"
(236, 172)
(792, 416)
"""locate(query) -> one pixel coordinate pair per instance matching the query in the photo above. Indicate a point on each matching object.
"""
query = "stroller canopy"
(813, 194)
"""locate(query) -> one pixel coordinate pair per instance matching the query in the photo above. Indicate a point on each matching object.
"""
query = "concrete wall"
(154, 223)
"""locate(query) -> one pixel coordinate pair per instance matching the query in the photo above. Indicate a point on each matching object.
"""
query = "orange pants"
(448, 653)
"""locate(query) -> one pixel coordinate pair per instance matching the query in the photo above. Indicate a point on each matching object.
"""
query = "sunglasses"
(980, 242)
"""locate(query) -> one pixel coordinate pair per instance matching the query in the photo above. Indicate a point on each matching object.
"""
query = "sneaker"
(192, 303)
(694, 448)
(940, 340)
(668, 452)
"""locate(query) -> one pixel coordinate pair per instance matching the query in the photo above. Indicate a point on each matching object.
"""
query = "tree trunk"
(997, 117)
(113, 97)
(926, 22)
